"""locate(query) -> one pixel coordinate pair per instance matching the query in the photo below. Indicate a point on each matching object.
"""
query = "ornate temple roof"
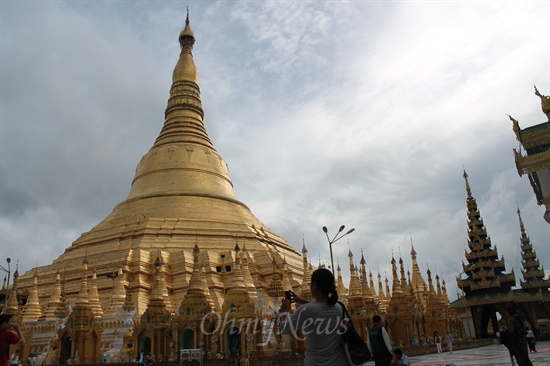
(533, 275)
(484, 271)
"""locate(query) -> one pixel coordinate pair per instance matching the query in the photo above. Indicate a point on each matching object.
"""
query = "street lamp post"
(8, 271)
(335, 239)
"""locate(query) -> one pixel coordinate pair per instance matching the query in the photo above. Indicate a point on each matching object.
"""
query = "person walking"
(379, 343)
(10, 333)
(321, 321)
(449, 340)
(530, 337)
(14, 359)
(516, 342)
(437, 340)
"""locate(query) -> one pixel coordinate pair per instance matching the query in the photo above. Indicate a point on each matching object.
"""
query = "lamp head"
(341, 228)
(325, 229)
(350, 231)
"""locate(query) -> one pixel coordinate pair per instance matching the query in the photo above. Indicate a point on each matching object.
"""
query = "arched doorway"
(145, 345)
(65, 351)
(233, 342)
(488, 322)
(187, 339)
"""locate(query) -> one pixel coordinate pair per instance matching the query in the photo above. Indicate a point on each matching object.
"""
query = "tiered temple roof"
(484, 271)
(536, 162)
(533, 275)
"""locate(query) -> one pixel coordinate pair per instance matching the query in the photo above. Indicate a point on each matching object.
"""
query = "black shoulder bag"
(355, 348)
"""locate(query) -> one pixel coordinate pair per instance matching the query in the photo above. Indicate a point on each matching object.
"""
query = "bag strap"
(346, 314)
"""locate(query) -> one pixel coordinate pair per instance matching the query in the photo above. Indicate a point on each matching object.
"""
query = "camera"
(288, 295)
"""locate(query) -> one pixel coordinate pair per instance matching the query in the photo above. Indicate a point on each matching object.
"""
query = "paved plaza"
(487, 356)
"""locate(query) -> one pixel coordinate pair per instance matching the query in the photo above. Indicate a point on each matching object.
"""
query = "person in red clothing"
(10, 333)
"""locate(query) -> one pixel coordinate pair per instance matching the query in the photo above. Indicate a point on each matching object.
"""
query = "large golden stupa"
(181, 196)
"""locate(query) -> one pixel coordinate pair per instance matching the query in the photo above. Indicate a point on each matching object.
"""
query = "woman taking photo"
(319, 320)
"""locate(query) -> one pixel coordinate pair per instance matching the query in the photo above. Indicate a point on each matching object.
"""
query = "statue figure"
(545, 103)
(51, 356)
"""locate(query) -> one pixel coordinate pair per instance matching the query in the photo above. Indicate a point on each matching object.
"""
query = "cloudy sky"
(361, 113)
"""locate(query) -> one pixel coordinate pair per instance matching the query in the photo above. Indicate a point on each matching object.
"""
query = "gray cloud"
(327, 113)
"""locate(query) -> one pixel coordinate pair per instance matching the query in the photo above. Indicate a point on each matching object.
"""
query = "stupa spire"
(396, 289)
(83, 293)
(533, 274)
(55, 299)
(97, 310)
(417, 279)
(118, 296)
(484, 269)
(181, 190)
(32, 311)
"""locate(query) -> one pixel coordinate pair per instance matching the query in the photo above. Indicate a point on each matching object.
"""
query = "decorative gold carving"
(545, 103)
(532, 163)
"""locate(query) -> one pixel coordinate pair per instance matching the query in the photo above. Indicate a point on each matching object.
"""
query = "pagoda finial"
(522, 227)
(187, 37)
(465, 175)
(545, 103)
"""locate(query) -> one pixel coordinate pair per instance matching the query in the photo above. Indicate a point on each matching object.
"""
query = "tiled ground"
(486, 356)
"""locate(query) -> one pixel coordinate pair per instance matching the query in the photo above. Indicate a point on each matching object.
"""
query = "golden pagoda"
(146, 252)
(165, 271)
(181, 194)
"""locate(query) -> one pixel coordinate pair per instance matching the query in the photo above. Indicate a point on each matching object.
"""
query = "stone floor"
(486, 356)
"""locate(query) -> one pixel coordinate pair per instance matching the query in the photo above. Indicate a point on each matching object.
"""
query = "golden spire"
(195, 304)
(444, 292)
(62, 310)
(340, 282)
(388, 292)
(430, 283)
(128, 302)
(417, 280)
(162, 287)
(119, 294)
(83, 293)
(94, 297)
(31, 310)
(380, 288)
(404, 284)
(206, 289)
(306, 279)
(367, 292)
(354, 287)
(55, 299)
(237, 300)
(371, 283)
(437, 284)
(468, 190)
(247, 276)
(396, 285)
(181, 189)
(195, 281)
